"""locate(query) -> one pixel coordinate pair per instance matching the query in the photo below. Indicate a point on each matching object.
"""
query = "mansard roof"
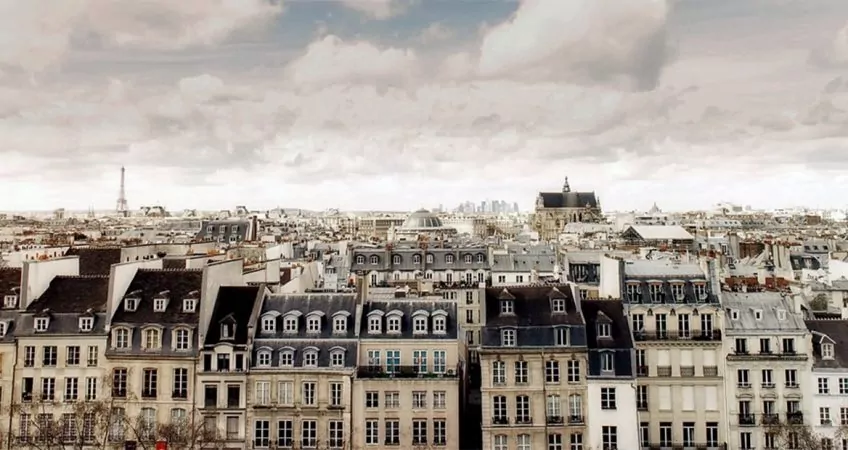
(532, 306)
(406, 311)
(236, 302)
(152, 283)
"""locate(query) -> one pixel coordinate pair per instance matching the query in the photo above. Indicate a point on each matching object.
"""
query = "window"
(609, 437)
(448, 259)
(336, 433)
(573, 371)
(500, 442)
(561, 337)
(416, 259)
(72, 355)
(508, 338)
(372, 432)
(261, 433)
(440, 428)
(91, 361)
(263, 393)
(741, 345)
(824, 416)
(827, 351)
(151, 339)
(843, 386)
(337, 358)
(788, 345)
(607, 362)
(440, 325)
(392, 399)
(308, 393)
(159, 304)
(181, 339)
(419, 431)
(335, 394)
(439, 361)
(767, 378)
(86, 324)
(360, 259)
(180, 381)
(608, 398)
(374, 324)
(604, 330)
(48, 389)
(576, 441)
(286, 358)
(396, 259)
(521, 376)
(419, 325)
(290, 324)
(553, 407)
(309, 433)
(392, 432)
(50, 355)
(498, 372)
(71, 389)
(130, 303)
(507, 307)
(522, 409)
(90, 389)
(499, 408)
(791, 377)
(269, 324)
(313, 324)
(285, 392)
(419, 399)
(742, 379)
(372, 399)
(149, 383)
(263, 358)
(551, 372)
(189, 305)
(340, 324)
(823, 386)
(439, 399)
(558, 305)
(310, 358)
(374, 259)
(41, 324)
(392, 360)
(523, 441)
(119, 383)
(121, 338)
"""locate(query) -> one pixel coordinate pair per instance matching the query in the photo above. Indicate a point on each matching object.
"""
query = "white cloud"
(835, 53)
(435, 32)
(331, 60)
(579, 40)
(37, 34)
(376, 9)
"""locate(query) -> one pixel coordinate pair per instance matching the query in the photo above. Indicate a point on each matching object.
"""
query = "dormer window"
(508, 338)
(340, 324)
(287, 357)
(604, 330)
(558, 305)
(41, 324)
(480, 258)
(313, 324)
(507, 307)
(758, 314)
(468, 259)
(269, 324)
(393, 324)
(734, 314)
(827, 351)
(86, 324)
(228, 331)
(152, 339)
(310, 358)
(416, 259)
(10, 301)
(121, 338)
(440, 323)
(337, 357)
(263, 358)
(182, 340)
(2, 329)
(360, 259)
(396, 259)
(419, 325)
(159, 304)
(781, 314)
(374, 325)
(448, 259)
(375, 259)
(429, 258)
(290, 324)
(189, 305)
(131, 304)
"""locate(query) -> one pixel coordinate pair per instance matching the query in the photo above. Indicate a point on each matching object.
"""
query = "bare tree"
(798, 436)
(48, 425)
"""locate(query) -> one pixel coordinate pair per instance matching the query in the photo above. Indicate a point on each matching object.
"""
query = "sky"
(401, 104)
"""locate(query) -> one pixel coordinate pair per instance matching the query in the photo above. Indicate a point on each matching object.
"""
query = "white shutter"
(709, 358)
(686, 358)
(663, 358)
(665, 398)
(688, 394)
(711, 398)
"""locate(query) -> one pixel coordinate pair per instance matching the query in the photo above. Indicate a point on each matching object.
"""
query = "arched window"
(360, 259)
(440, 325)
(310, 358)
(152, 338)
(393, 324)
(263, 358)
(375, 259)
(467, 259)
(416, 259)
(449, 259)
(419, 325)
(396, 259)
(121, 338)
(429, 258)
(480, 258)
(182, 339)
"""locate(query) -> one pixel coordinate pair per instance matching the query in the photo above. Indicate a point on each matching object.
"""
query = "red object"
(161, 445)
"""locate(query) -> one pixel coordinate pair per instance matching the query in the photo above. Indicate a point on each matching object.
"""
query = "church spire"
(565, 186)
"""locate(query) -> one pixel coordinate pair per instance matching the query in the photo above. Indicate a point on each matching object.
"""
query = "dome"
(422, 219)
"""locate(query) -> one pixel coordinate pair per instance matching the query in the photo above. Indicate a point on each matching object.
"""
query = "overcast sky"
(378, 104)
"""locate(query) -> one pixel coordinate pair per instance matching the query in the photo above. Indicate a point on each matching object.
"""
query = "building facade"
(830, 372)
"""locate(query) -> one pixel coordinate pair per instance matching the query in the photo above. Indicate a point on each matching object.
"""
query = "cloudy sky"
(367, 104)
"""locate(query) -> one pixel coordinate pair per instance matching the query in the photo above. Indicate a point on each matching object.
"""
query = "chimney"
(361, 289)
(712, 276)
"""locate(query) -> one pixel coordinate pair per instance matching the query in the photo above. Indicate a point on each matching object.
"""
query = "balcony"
(684, 446)
(663, 371)
(770, 419)
(710, 371)
(769, 356)
(555, 420)
(643, 371)
(795, 418)
(402, 372)
(148, 394)
(179, 395)
(641, 406)
(500, 420)
(747, 420)
(687, 371)
(524, 420)
(701, 336)
(576, 420)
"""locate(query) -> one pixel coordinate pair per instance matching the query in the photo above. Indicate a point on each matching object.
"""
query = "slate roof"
(523, 263)
(278, 342)
(568, 199)
(10, 278)
(65, 301)
(149, 283)
(95, 260)
(412, 259)
(830, 331)
(621, 344)
(769, 303)
(408, 308)
(235, 302)
(223, 230)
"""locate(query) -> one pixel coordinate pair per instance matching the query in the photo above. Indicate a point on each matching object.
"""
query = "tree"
(798, 436)
(819, 302)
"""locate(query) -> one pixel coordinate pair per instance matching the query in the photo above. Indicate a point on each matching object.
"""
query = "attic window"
(313, 324)
(310, 358)
(86, 323)
(290, 324)
(10, 301)
(827, 351)
(558, 305)
(228, 331)
(159, 304)
(448, 259)
(269, 324)
(508, 338)
(375, 259)
(419, 325)
(734, 314)
(440, 325)
(41, 324)
(507, 307)
(2, 329)
(468, 259)
(189, 305)
(131, 304)
(604, 330)
(758, 314)
(396, 259)
(781, 314)
(374, 325)
(340, 324)
(393, 324)
(360, 259)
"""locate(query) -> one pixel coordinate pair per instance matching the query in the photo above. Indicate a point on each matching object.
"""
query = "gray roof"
(411, 259)
(768, 304)
(523, 263)
(408, 309)
(223, 229)
(662, 268)
(422, 219)
(833, 332)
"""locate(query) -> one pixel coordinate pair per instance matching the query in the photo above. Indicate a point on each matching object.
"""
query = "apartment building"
(303, 362)
(830, 372)
(152, 351)
(408, 389)
(676, 317)
(453, 265)
(533, 360)
(222, 389)
(10, 288)
(610, 379)
(768, 366)
(61, 340)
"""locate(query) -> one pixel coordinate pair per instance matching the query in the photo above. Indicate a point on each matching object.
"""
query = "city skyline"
(398, 104)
